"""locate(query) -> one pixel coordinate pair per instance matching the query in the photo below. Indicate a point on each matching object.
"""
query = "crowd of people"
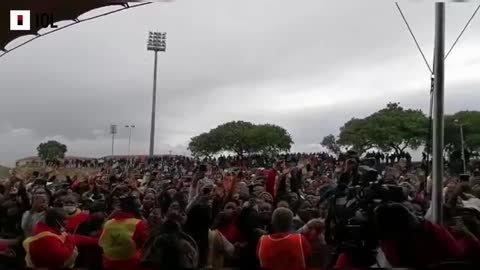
(295, 211)
(390, 158)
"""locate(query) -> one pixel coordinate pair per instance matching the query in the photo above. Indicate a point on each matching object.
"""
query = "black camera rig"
(350, 226)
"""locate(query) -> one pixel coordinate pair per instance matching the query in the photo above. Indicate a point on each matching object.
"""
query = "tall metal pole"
(463, 149)
(130, 127)
(152, 126)
(129, 140)
(438, 120)
(113, 131)
(156, 43)
(113, 142)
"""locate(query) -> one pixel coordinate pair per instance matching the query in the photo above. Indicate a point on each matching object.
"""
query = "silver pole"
(113, 131)
(463, 149)
(438, 120)
(129, 141)
(113, 142)
(152, 126)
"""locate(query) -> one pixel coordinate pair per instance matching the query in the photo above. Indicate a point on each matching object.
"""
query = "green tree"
(331, 143)
(470, 122)
(269, 138)
(354, 135)
(233, 136)
(51, 150)
(391, 128)
(241, 138)
(202, 145)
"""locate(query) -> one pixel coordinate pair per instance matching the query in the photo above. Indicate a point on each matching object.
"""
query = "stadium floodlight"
(130, 127)
(157, 43)
(113, 131)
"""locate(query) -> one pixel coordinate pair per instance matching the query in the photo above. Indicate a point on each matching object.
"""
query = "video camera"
(350, 224)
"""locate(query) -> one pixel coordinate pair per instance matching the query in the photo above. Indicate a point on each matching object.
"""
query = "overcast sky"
(307, 66)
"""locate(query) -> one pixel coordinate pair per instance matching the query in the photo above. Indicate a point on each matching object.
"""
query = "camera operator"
(349, 222)
(350, 175)
(355, 229)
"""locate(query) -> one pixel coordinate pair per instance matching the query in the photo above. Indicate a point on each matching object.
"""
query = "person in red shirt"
(8, 256)
(75, 216)
(227, 222)
(88, 257)
(408, 241)
(50, 246)
(469, 244)
(283, 250)
(123, 236)
(271, 175)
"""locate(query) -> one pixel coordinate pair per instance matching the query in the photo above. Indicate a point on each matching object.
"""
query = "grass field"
(3, 172)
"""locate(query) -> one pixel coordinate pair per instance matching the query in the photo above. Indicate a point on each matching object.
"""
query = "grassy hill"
(3, 172)
(61, 171)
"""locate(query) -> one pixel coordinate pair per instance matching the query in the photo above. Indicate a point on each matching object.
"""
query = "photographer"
(350, 175)
(350, 225)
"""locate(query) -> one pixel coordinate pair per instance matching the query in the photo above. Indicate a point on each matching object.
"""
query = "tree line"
(391, 129)
(395, 129)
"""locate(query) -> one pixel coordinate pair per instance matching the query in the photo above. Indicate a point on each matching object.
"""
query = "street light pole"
(129, 136)
(154, 101)
(129, 140)
(113, 131)
(156, 43)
